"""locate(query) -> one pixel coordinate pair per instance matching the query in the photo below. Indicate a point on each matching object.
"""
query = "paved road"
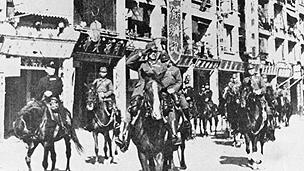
(286, 153)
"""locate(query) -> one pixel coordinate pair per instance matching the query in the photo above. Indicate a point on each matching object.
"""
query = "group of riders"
(155, 66)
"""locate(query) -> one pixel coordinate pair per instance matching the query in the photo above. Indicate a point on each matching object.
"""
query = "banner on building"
(174, 29)
(119, 79)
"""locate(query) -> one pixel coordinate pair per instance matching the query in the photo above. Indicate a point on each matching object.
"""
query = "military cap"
(51, 64)
(103, 69)
(164, 57)
(152, 46)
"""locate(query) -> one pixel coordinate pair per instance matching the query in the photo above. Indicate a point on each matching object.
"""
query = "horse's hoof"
(116, 152)
(183, 167)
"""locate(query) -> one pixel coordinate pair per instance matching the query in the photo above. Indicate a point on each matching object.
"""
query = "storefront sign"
(284, 72)
(12, 67)
(174, 31)
(36, 47)
(104, 46)
(297, 74)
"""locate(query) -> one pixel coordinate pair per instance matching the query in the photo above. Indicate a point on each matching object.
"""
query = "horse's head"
(246, 92)
(92, 97)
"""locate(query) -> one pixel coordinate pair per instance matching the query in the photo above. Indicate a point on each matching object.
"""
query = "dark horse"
(284, 109)
(230, 108)
(34, 125)
(207, 111)
(151, 137)
(253, 125)
(103, 121)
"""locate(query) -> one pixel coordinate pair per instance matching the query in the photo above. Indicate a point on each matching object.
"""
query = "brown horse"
(103, 121)
(253, 125)
(35, 125)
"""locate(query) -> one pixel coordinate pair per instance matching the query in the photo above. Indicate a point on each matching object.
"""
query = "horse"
(208, 111)
(253, 124)
(150, 136)
(103, 121)
(192, 101)
(35, 125)
(284, 110)
(271, 113)
(231, 107)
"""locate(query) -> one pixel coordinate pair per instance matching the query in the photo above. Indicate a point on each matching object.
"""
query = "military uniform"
(104, 86)
(51, 83)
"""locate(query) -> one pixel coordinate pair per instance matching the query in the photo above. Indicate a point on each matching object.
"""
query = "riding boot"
(176, 140)
(188, 123)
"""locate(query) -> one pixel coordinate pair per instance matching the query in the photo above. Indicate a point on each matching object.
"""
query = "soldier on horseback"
(104, 87)
(172, 82)
(48, 90)
(258, 85)
(148, 66)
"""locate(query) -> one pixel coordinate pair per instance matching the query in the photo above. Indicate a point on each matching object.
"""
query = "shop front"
(23, 60)
(88, 57)
(200, 71)
(227, 69)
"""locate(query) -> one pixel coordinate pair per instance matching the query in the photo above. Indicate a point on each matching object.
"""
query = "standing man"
(104, 87)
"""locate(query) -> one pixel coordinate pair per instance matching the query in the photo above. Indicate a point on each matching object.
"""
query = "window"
(103, 11)
(253, 50)
(229, 38)
(252, 22)
(253, 36)
(139, 19)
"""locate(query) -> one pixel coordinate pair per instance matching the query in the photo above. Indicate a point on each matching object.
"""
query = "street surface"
(208, 153)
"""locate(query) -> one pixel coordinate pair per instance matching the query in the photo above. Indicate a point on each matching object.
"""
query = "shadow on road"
(92, 159)
(239, 161)
(227, 143)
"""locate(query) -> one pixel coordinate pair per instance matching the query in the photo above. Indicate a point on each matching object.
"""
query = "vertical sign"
(174, 29)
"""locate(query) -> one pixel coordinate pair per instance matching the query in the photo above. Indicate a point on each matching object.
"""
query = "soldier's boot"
(175, 138)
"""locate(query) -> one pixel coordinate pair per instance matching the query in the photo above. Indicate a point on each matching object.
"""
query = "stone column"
(2, 10)
(2, 104)
(214, 85)
(68, 80)
(121, 24)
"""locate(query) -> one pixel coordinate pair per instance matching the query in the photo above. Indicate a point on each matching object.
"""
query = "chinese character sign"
(174, 29)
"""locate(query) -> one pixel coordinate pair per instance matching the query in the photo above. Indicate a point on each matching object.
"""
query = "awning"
(199, 63)
(53, 8)
(284, 69)
(269, 70)
(105, 47)
(185, 61)
(36, 47)
(206, 64)
(232, 66)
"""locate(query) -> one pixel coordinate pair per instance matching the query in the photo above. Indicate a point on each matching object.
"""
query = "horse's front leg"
(67, 152)
(46, 146)
(53, 156)
(183, 165)
(95, 137)
(159, 162)
(143, 161)
(108, 140)
(247, 143)
(31, 148)
(105, 147)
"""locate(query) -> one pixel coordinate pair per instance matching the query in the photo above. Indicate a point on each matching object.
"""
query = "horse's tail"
(75, 139)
